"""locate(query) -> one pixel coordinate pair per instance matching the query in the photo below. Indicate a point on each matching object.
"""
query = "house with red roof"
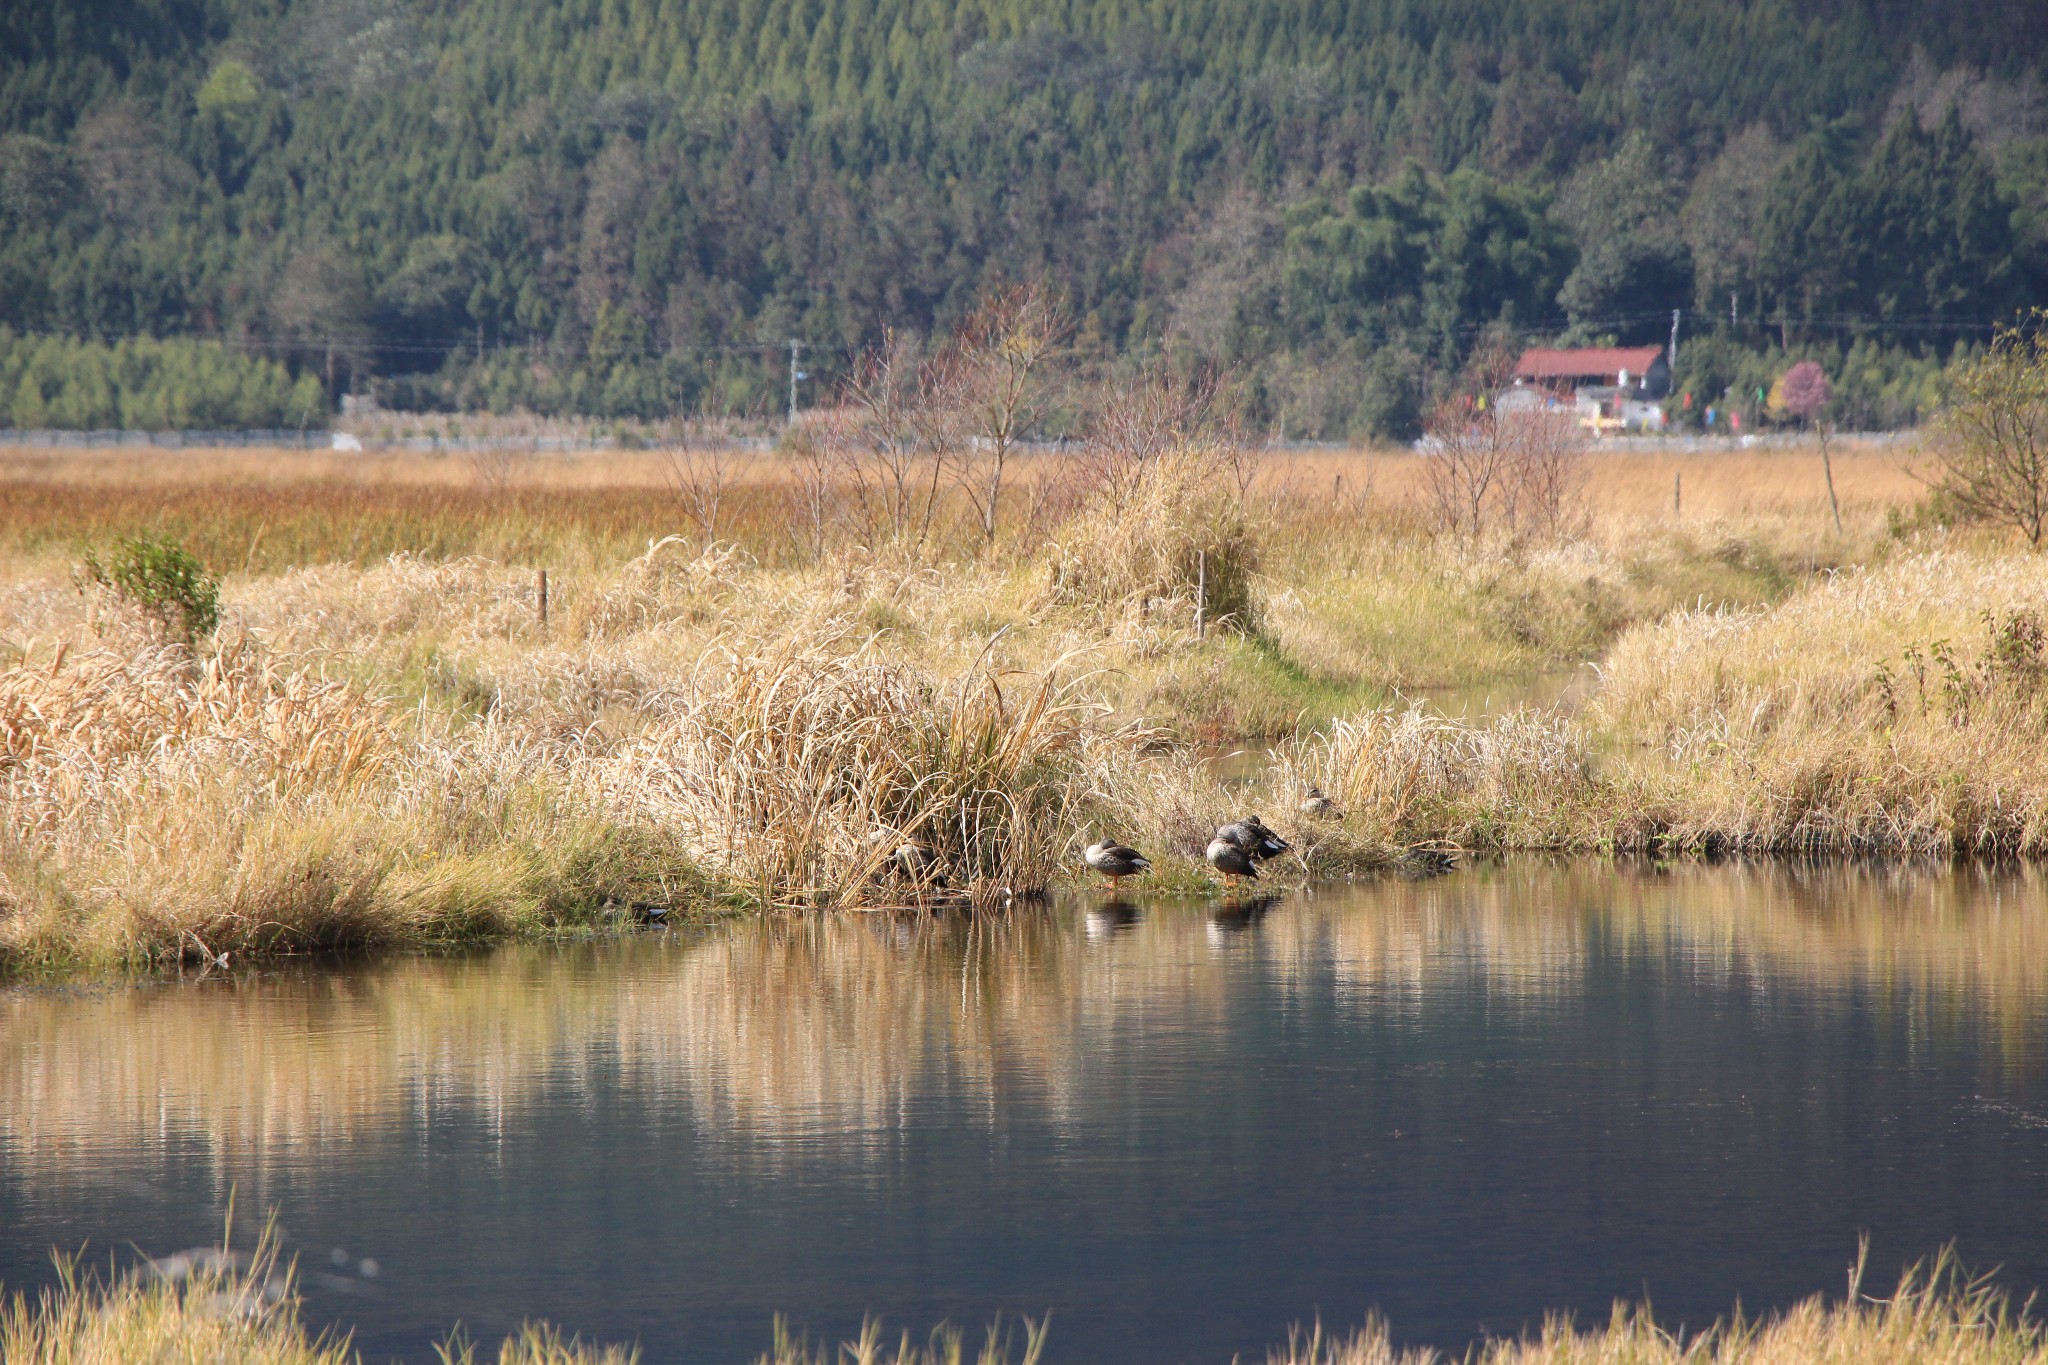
(1613, 388)
(1639, 370)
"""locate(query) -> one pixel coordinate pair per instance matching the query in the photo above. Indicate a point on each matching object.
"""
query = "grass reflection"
(779, 1032)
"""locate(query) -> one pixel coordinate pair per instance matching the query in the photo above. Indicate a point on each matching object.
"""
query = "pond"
(1179, 1127)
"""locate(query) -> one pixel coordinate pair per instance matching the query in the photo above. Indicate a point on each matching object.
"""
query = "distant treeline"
(146, 385)
(623, 207)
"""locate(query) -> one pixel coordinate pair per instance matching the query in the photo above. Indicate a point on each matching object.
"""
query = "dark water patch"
(1463, 1102)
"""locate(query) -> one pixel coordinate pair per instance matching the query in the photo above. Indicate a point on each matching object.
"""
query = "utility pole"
(1673, 362)
(794, 348)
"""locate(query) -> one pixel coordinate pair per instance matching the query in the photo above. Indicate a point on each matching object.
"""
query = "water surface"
(1179, 1127)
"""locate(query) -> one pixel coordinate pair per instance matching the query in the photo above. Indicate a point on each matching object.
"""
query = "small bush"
(1160, 531)
(165, 580)
(1993, 436)
(796, 771)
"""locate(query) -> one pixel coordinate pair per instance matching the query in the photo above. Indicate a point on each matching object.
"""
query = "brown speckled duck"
(1318, 806)
(1251, 835)
(1231, 859)
(1114, 860)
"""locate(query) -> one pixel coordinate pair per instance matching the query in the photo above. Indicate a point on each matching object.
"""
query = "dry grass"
(218, 1313)
(165, 806)
(217, 1308)
(407, 755)
(1170, 532)
(947, 1345)
(395, 747)
(273, 510)
(1410, 777)
(225, 1311)
(1897, 711)
(1634, 487)
(797, 772)
(538, 1343)
(1936, 1316)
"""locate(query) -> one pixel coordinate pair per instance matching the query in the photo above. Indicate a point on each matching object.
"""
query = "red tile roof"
(1586, 362)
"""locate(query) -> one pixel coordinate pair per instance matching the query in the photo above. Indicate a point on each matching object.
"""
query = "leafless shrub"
(1517, 470)
(810, 455)
(893, 438)
(1158, 411)
(998, 375)
(1549, 473)
(703, 478)
(492, 465)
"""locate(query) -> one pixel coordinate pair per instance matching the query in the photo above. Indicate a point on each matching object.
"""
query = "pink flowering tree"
(1804, 392)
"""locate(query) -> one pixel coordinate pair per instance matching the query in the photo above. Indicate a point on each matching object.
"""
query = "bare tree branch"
(1993, 436)
(997, 375)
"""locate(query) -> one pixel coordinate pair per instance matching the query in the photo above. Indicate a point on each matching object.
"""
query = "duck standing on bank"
(1231, 858)
(1114, 861)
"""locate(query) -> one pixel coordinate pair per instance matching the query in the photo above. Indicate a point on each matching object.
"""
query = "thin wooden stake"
(1827, 467)
(1201, 594)
(543, 598)
(1677, 483)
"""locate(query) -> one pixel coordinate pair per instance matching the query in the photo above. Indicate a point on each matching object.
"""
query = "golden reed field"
(758, 673)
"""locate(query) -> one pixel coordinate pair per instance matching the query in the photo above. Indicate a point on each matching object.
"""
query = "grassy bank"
(248, 1316)
(754, 680)
(1896, 710)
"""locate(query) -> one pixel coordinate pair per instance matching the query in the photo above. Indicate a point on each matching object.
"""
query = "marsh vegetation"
(329, 707)
(254, 706)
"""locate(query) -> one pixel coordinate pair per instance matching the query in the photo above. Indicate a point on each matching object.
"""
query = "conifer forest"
(224, 212)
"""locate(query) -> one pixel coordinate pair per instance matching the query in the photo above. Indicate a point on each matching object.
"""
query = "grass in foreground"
(1936, 1315)
(219, 1310)
(223, 1315)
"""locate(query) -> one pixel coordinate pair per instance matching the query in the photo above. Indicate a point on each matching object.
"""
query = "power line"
(1385, 334)
(357, 345)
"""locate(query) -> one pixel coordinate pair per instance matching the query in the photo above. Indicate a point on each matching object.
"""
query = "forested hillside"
(620, 207)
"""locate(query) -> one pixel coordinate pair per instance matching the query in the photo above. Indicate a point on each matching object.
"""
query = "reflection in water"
(1086, 1106)
(1562, 690)
(1110, 917)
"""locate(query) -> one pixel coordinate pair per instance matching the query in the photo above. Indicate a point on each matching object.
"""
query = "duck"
(1251, 835)
(1319, 806)
(1114, 860)
(918, 862)
(1230, 858)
